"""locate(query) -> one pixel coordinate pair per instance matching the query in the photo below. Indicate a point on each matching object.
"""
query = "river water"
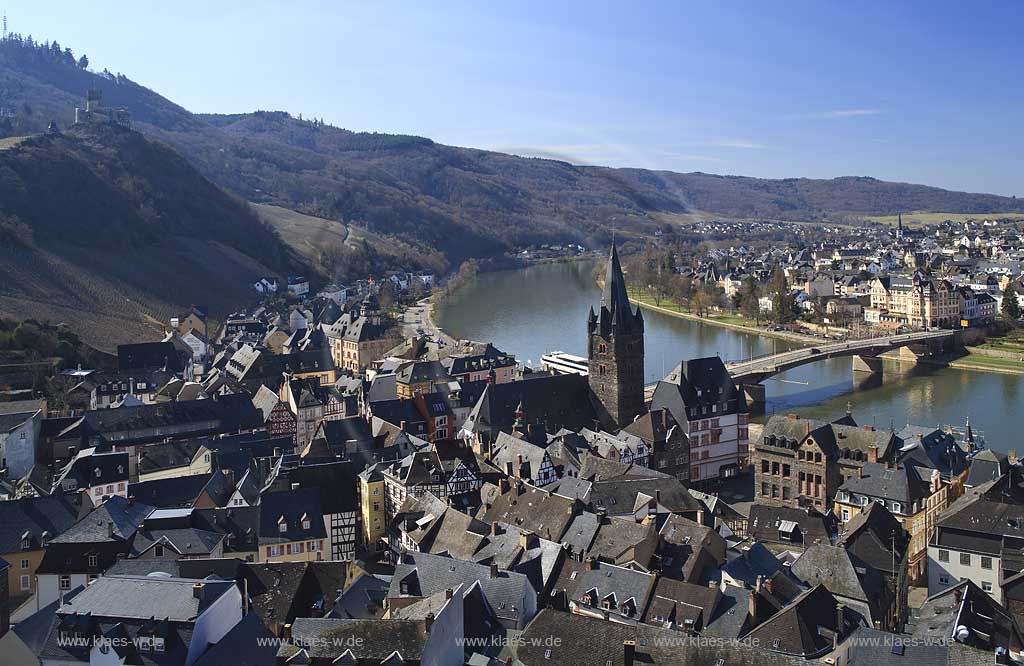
(544, 308)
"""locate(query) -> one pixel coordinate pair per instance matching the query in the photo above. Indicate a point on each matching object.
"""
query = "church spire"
(614, 298)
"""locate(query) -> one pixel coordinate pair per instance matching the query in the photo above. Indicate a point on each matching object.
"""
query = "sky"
(923, 92)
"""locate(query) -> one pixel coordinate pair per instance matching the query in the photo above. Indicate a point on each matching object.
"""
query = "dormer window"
(282, 525)
(94, 561)
(26, 541)
(97, 472)
(305, 522)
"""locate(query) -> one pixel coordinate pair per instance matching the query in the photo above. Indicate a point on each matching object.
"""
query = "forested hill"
(112, 232)
(447, 202)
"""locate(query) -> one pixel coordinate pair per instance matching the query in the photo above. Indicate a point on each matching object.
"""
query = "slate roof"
(965, 604)
(241, 523)
(336, 481)
(625, 495)
(986, 466)
(932, 448)
(292, 505)
(508, 450)
(806, 627)
(625, 584)
(697, 384)
(167, 455)
(690, 549)
(617, 540)
(555, 401)
(871, 536)
(533, 509)
(844, 575)
(186, 541)
(169, 492)
(878, 480)
(682, 603)
(123, 515)
(374, 640)
(764, 522)
(586, 641)
(143, 597)
(248, 643)
(363, 599)
(31, 517)
(434, 573)
(145, 355)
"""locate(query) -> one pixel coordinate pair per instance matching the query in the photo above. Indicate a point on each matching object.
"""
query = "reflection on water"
(544, 308)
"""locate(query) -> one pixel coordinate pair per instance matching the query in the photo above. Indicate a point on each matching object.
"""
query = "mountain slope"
(443, 201)
(113, 232)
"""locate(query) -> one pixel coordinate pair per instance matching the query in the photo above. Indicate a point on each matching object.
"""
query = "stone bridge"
(865, 353)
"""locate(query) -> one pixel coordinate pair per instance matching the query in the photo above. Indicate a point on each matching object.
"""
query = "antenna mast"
(5, 24)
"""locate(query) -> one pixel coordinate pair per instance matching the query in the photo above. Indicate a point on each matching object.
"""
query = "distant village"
(327, 478)
(868, 278)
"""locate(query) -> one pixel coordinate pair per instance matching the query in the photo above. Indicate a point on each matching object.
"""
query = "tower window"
(602, 348)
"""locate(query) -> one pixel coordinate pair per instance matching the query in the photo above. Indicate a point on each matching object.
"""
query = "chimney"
(131, 500)
(752, 601)
(628, 652)
(589, 564)
(872, 454)
(494, 528)
(197, 590)
(494, 570)
(404, 425)
(791, 417)
(526, 539)
(110, 529)
(519, 464)
(807, 428)
(428, 622)
(286, 632)
(295, 486)
(277, 451)
(860, 472)
(840, 620)
(503, 486)
(869, 428)
(449, 593)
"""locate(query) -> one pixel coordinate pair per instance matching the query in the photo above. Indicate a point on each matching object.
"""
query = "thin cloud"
(850, 113)
(738, 143)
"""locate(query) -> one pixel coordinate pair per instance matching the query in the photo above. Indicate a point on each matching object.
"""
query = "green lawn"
(995, 362)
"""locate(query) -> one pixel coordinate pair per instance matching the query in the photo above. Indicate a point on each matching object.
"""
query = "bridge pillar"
(754, 394)
(871, 365)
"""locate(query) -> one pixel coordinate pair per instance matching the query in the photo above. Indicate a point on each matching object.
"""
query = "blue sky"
(925, 92)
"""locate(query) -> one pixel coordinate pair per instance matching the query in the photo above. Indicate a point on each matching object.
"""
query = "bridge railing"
(861, 343)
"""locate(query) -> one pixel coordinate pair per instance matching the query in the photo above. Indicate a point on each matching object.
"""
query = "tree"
(701, 302)
(783, 303)
(750, 300)
(83, 62)
(1011, 308)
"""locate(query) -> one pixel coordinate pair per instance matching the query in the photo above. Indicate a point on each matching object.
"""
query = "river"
(544, 308)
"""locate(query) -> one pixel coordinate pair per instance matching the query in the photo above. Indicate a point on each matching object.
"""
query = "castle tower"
(615, 348)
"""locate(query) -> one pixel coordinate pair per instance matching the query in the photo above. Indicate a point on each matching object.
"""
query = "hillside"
(442, 202)
(113, 232)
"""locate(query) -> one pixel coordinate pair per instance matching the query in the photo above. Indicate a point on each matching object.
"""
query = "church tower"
(615, 348)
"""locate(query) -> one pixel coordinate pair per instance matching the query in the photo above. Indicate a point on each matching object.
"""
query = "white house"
(19, 436)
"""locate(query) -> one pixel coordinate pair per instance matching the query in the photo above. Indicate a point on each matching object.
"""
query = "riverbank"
(639, 299)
